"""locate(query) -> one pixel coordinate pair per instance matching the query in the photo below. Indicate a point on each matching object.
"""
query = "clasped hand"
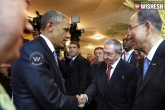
(82, 99)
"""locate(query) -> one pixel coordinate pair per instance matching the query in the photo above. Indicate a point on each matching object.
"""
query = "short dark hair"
(97, 48)
(76, 43)
(52, 16)
(152, 16)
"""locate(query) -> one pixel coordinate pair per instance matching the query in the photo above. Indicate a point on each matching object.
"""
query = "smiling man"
(115, 81)
(37, 82)
(145, 29)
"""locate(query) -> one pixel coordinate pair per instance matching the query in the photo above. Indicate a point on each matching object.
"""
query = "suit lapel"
(45, 46)
(115, 77)
(153, 67)
(50, 54)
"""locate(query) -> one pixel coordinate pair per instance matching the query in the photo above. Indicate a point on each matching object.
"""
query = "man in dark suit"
(37, 82)
(128, 55)
(145, 29)
(115, 88)
(78, 71)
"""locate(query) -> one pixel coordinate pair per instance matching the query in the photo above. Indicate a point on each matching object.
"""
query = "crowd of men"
(115, 80)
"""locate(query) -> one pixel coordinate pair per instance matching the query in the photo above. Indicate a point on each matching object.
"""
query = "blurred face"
(89, 57)
(138, 32)
(13, 22)
(98, 55)
(73, 50)
(138, 54)
(110, 56)
(60, 34)
(127, 43)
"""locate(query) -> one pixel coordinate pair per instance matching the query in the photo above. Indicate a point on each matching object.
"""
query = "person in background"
(139, 55)
(37, 82)
(115, 81)
(128, 55)
(145, 30)
(98, 55)
(78, 71)
(90, 58)
(11, 36)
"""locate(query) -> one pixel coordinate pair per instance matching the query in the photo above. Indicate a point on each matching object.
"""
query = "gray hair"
(116, 43)
(152, 16)
(52, 16)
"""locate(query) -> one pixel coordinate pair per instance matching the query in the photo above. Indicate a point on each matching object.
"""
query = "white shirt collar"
(114, 65)
(75, 56)
(130, 52)
(153, 50)
(50, 45)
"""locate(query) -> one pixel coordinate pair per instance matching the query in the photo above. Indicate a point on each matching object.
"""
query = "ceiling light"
(97, 37)
(90, 46)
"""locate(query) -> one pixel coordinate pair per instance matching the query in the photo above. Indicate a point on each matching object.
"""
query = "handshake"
(82, 99)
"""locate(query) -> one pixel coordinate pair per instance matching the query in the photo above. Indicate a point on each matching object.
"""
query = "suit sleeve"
(84, 69)
(91, 90)
(41, 84)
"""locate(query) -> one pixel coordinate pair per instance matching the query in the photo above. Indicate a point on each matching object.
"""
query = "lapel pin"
(153, 64)
(122, 77)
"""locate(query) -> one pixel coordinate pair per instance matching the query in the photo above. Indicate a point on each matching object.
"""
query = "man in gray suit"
(145, 29)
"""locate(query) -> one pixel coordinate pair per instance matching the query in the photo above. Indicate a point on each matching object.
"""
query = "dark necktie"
(55, 57)
(71, 61)
(145, 66)
(108, 74)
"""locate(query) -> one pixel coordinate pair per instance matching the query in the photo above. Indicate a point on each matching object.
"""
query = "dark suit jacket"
(133, 60)
(120, 91)
(37, 82)
(77, 76)
(151, 91)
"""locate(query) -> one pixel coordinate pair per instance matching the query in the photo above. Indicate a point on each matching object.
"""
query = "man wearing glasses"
(145, 30)
(128, 55)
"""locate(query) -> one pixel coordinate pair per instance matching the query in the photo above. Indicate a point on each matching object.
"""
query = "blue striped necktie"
(55, 57)
(145, 66)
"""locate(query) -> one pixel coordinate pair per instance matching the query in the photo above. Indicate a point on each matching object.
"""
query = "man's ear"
(148, 25)
(49, 25)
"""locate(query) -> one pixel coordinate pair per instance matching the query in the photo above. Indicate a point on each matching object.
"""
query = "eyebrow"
(66, 29)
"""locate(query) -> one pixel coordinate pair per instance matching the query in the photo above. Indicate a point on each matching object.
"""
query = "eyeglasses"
(130, 28)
